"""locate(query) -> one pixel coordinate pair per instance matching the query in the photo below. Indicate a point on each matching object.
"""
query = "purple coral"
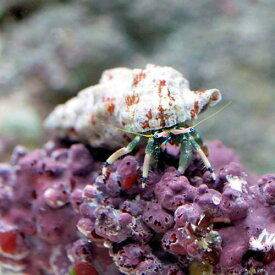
(189, 216)
(157, 218)
(267, 188)
(39, 202)
(169, 227)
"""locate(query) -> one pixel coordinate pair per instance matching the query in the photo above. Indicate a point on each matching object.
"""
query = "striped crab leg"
(119, 153)
(147, 159)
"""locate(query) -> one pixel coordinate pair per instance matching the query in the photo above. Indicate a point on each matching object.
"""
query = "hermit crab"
(154, 104)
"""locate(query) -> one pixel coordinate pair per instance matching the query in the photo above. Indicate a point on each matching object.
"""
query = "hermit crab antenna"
(130, 132)
(214, 114)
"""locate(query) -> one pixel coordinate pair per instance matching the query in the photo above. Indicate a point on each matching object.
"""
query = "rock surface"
(58, 215)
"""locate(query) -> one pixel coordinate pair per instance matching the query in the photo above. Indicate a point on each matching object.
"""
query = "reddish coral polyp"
(129, 181)
(7, 242)
(84, 268)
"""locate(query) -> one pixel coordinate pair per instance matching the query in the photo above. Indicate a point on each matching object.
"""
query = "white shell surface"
(138, 100)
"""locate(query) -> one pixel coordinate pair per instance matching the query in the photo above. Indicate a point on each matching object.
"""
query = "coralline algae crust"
(58, 213)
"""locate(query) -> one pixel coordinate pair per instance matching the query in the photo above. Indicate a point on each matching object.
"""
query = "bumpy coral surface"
(39, 201)
(59, 216)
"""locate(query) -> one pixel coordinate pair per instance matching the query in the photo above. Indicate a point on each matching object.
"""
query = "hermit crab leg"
(204, 158)
(146, 163)
(185, 154)
(119, 153)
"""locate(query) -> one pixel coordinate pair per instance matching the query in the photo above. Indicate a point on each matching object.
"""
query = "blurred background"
(49, 50)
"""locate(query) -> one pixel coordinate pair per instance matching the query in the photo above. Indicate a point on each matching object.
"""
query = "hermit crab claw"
(208, 98)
